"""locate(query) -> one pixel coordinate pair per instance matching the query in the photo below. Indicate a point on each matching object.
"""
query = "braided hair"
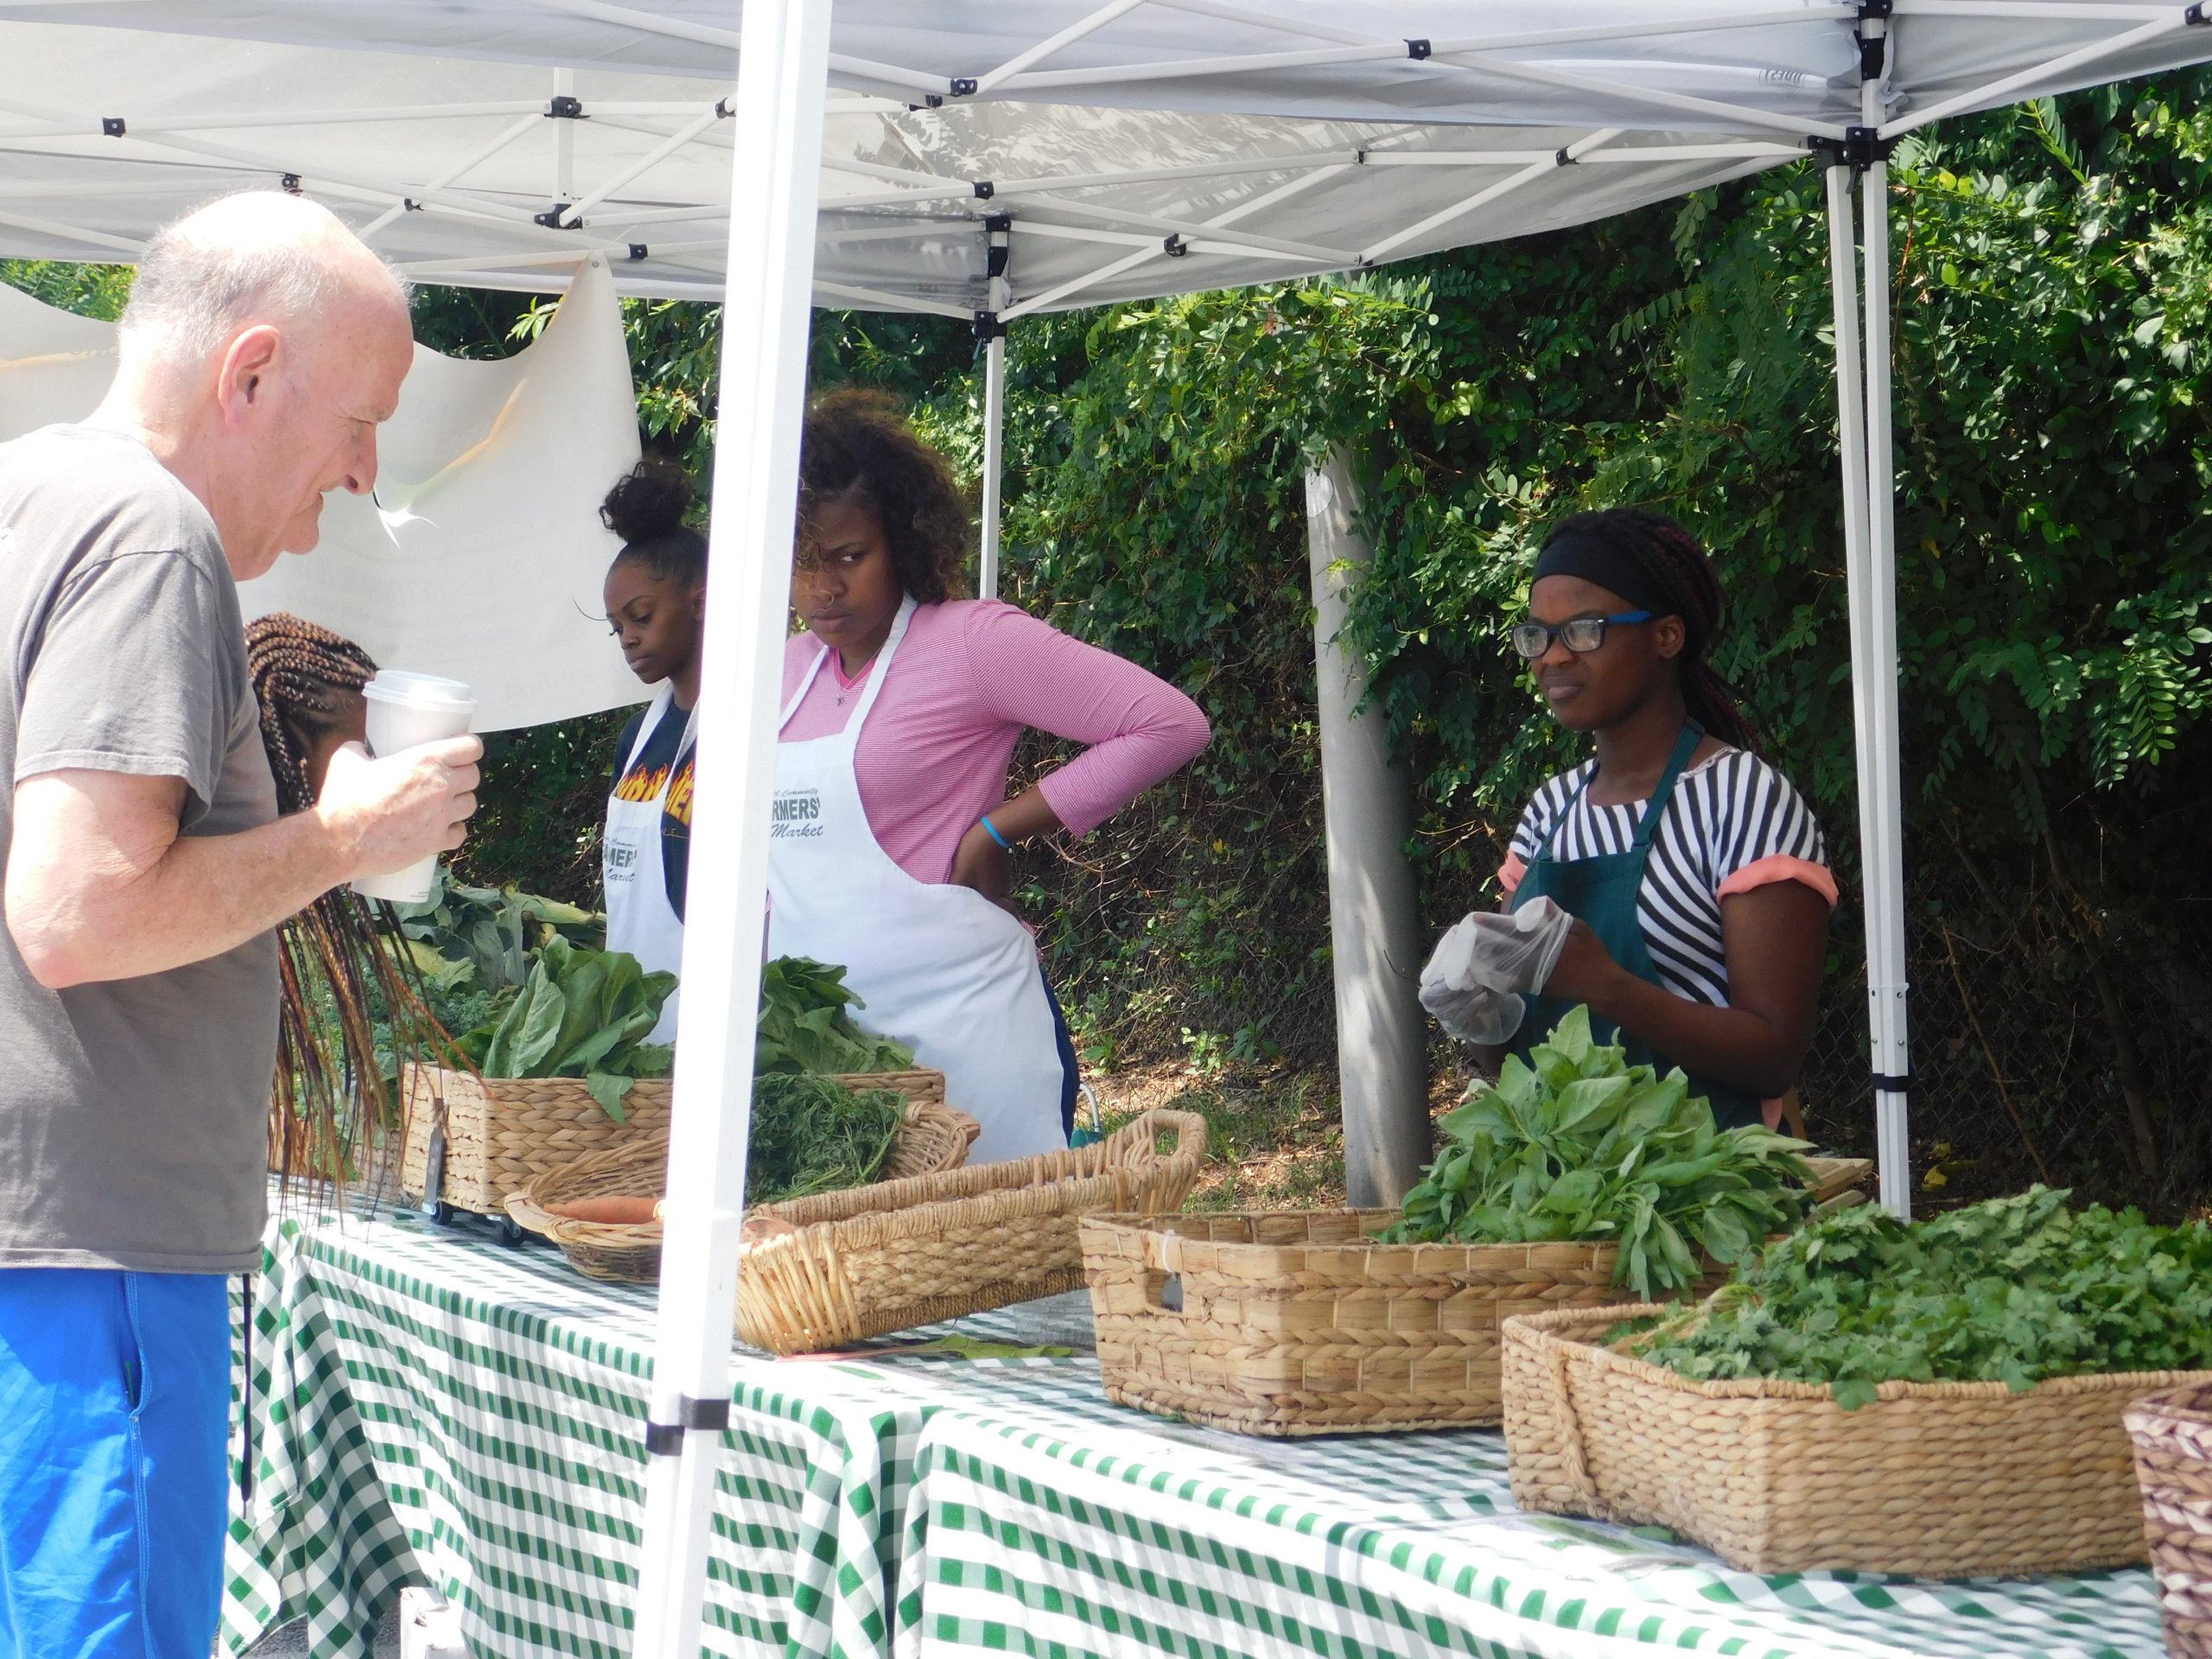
(857, 450)
(1678, 572)
(331, 1103)
(647, 508)
(300, 672)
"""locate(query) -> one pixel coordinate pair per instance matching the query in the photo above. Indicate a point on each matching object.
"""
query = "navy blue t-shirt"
(642, 779)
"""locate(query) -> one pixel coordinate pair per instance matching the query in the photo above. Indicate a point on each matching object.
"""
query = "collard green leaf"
(608, 1090)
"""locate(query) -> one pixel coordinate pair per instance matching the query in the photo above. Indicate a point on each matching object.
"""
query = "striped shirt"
(1734, 824)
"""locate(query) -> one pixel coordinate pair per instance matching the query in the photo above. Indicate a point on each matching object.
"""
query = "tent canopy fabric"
(1134, 149)
(446, 165)
(1766, 67)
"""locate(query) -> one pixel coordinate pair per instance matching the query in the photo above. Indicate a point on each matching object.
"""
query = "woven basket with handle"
(492, 1134)
(1939, 1480)
(2172, 1433)
(934, 1138)
(1295, 1322)
(884, 1258)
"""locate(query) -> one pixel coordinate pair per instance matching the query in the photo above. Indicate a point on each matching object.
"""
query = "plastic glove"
(1475, 1014)
(1517, 951)
(1473, 979)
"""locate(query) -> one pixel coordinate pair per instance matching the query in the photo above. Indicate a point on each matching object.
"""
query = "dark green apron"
(1602, 892)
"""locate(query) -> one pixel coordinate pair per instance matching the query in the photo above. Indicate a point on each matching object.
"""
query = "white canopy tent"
(1848, 77)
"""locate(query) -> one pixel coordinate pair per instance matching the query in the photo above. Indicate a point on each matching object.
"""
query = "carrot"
(621, 1210)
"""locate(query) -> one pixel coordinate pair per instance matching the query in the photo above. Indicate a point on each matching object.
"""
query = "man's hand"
(396, 811)
(100, 886)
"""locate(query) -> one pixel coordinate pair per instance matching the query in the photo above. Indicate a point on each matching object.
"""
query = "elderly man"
(145, 867)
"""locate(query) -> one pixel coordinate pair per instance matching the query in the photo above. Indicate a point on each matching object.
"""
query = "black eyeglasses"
(1578, 633)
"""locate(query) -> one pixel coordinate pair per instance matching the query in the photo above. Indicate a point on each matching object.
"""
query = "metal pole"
(1374, 922)
(1881, 788)
(997, 239)
(775, 180)
(987, 581)
(1864, 602)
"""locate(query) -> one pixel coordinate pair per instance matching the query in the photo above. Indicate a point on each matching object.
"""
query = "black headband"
(1594, 561)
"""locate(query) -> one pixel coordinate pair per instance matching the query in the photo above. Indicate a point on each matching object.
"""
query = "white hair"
(198, 286)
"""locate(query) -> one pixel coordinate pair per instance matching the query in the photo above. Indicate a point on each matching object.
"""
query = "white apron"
(942, 969)
(639, 919)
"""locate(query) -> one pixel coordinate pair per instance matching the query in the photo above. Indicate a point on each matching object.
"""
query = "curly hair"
(857, 450)
(1671, 559)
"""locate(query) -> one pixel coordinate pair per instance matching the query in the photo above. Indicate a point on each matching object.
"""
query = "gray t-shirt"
(133, 1112)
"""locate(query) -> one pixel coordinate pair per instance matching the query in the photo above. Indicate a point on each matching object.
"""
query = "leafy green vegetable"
(813, 1135)
(578, 1014)
(2013, 1290)
(486, 937)
(805, 1027)
(1583, 1146)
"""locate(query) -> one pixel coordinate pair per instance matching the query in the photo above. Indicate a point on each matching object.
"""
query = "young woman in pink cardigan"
(892, 826)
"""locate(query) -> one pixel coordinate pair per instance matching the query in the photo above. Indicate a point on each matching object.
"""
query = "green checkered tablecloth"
(431, 1406)
(1063, 1528)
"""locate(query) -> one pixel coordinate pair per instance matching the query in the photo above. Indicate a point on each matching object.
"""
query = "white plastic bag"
(1475, 979)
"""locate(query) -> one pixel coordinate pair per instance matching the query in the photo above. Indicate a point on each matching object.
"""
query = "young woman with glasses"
(1696, 872)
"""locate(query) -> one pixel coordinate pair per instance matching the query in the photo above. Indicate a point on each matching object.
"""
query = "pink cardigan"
(969, 674)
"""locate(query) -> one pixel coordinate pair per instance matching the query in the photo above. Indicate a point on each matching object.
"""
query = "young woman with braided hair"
(330, 1094)
(1696, 872)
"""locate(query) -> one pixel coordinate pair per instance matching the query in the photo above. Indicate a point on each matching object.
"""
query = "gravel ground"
(291, 1641)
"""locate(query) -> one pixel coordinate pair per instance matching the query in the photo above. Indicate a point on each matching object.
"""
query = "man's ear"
(249, 367)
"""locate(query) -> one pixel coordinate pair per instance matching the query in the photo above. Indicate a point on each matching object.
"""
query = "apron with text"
(639, 919)
(942, 969)
(1602, 892)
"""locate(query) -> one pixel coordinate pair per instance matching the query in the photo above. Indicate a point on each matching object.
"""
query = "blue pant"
(115, 1400)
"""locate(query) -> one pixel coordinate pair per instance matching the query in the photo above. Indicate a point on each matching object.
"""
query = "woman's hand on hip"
(980, 862)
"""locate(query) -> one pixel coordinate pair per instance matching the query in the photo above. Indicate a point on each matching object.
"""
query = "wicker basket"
(1291, 1322)
(491, 1135)
(885, 1258)
(934, 1138)
(1937, 1480)
(2172, 1433)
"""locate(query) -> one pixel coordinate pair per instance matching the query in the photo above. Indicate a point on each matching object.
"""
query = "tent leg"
(1874, 664)
(1374, 923)
(774, 188)
(1882, 811)
(987, 578)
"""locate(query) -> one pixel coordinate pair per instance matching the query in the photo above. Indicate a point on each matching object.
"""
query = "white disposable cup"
(406, 711)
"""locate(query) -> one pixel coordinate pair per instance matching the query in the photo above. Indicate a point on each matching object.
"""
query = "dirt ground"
(1275, 1138)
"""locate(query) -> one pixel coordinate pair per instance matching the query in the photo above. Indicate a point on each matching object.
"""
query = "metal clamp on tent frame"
(988, 327)
(667, 1439)
(997, 228)
(1886, 1084)
(2195, 14)
(1859, 148)
(565, 107)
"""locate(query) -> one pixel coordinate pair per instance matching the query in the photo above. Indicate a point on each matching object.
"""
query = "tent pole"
(1374, 919)
(998, 239)
(775, 183)
(1851, 438)
(987, 581)
(1882, 809)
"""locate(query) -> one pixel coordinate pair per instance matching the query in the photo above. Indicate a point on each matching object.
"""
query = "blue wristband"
(992, 829)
